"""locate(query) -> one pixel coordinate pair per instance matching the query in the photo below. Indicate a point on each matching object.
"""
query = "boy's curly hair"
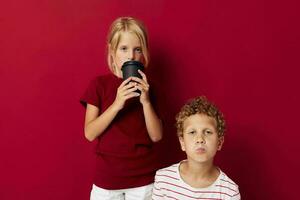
(200, 105)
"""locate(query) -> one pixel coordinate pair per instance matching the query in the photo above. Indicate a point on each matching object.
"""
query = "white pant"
(138, 193)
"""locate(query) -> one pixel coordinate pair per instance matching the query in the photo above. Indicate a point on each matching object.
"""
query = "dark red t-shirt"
(125, 154)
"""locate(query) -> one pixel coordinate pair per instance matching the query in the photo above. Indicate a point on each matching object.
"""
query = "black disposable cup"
(130, 68)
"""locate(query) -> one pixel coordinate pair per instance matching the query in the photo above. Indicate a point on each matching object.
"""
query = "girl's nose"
(130, 55)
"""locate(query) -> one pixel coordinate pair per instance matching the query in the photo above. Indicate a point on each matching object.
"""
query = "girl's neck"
(118, 73)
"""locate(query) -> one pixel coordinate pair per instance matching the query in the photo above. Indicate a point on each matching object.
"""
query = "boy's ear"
(220, 144)
(181, 143)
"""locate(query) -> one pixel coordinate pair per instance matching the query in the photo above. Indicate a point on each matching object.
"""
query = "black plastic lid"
(133, 62)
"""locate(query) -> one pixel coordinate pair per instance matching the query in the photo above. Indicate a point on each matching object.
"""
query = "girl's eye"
(123, 48)
(207, 132)
(139, 50)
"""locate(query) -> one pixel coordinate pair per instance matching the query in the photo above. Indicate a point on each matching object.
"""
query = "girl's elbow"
(88, 136)
(158, 134)
(156, 138)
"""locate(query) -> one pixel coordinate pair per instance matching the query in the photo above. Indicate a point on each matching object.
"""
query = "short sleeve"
(92, 94)
(236, 196)
(156, 192)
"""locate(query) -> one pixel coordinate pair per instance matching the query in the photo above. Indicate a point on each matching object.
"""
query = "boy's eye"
(191, 132)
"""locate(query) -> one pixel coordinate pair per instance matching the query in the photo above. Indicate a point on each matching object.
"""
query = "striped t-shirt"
(169, 185)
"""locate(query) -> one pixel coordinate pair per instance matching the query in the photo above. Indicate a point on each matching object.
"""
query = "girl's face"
(129, 48)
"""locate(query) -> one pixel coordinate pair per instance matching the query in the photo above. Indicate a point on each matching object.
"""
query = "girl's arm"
(153, 123)
(95, 125)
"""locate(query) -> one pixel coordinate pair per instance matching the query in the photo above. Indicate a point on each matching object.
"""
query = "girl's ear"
(220, 142)
(182, 143)
(111, 56)
(110, 51)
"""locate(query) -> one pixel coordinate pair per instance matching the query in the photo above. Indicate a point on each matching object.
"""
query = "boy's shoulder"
(228, 184)
(170, 172)
(226, 178)
(172, 167)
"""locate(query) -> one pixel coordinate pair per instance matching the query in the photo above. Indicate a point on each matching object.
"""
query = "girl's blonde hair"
(126, 24)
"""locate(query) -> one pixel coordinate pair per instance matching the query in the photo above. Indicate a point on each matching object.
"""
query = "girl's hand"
(125, 91)
(143, 86)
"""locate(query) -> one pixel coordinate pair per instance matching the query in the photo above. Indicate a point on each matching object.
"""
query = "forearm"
(153, 123)
(96, 127)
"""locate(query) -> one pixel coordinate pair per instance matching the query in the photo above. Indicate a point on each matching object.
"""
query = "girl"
(123, 121)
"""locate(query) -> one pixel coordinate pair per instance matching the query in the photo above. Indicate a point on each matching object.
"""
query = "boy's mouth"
(200, 150)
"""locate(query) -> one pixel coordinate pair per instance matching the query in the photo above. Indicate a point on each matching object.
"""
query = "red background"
(244, 56)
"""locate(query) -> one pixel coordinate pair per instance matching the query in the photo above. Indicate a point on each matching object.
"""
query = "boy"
(200, 127)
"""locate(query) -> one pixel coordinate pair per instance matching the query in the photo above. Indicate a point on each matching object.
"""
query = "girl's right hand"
(125, 91)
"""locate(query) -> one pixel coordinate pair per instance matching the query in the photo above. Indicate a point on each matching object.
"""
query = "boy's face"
(200, 138)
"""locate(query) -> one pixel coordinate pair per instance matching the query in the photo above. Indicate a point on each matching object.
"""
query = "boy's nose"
(200, 139)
